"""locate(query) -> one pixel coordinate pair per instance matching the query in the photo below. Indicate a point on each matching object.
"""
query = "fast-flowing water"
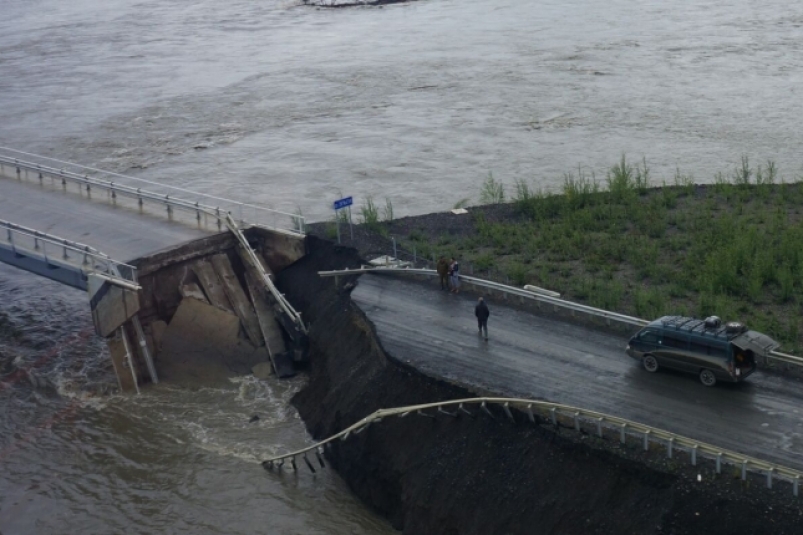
(293, 106)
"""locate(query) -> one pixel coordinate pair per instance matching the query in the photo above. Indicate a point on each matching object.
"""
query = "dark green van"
(707, 348)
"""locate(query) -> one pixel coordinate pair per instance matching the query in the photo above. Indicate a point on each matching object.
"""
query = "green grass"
(733, 248)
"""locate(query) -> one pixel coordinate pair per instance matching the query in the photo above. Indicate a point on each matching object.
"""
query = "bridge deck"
(119, 232)
(534, 357)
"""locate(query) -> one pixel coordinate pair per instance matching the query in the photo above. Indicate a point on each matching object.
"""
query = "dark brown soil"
(482, 475)
(373, 242)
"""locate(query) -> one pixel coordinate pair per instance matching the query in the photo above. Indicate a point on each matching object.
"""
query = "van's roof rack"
(695, 326)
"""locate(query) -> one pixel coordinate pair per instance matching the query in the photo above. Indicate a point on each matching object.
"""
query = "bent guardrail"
(59, 252)
(557, 414)
(197, 205)
(287, 309)
(607, 315)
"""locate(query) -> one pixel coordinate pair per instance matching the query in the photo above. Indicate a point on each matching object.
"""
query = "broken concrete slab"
(270, 329)
(192, 290)
(201, 346)
(158, 329)
(284, 364)
(236, 295)
(212, 285)
(263, 370)
(111, 305)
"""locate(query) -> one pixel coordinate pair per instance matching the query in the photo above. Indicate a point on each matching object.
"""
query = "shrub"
(388, 210)
(493, 191)
(370, 214)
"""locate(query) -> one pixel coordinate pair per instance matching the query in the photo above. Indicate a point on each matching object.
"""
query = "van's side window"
(718, 351)
(673, 340)
(650, 337)
(703, 349)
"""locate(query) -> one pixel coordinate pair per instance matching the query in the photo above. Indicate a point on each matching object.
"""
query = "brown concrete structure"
(199, 302)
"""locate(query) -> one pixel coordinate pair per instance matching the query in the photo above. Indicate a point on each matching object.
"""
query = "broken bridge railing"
(56, 252)
(541, 296)
(287, 309)
(558, 415)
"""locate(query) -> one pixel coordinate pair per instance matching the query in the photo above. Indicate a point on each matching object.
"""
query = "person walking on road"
(482, 313)
(443, 272)
(454, 275)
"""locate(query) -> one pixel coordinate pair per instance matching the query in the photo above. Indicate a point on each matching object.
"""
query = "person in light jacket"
(454, 275)
(482, 313)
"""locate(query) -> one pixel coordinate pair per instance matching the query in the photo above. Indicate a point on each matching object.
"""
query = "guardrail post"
(66, 256)
(795, 485)
(309, 464)
(744, 470)
(506, 406)
(88, 189)
(669, 444)
(694, 455)
(599, 427)
(647, 440)
(769, 477)
(719, 463)
(19, 173)
(530, 413)
(114, 194)
(554, 416)
(623, 437)
(577, 421)
(139, 199)
(41, 178)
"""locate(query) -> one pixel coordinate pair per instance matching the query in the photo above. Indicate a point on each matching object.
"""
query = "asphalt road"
(539, 358)
(120, 232)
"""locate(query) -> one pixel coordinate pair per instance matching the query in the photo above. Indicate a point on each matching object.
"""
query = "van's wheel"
(650, 363)
(707, 377)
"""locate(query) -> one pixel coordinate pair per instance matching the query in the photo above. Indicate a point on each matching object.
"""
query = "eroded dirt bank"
(481, 475)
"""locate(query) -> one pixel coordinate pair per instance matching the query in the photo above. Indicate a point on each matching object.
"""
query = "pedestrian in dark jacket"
(482, 313)
(443, 272)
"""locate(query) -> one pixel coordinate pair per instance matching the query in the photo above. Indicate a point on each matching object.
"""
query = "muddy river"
(292, 106)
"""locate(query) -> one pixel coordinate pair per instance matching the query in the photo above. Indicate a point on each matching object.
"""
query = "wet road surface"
(119, 232)
(539, 358)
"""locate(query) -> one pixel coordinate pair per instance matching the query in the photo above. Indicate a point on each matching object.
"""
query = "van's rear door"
(758, 343)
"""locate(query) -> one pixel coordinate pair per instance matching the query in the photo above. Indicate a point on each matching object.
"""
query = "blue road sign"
(342, 203)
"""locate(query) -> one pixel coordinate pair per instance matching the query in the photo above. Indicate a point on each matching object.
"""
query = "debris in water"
(253, 419)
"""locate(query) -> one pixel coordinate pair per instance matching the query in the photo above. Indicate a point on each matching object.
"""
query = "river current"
(292, 107)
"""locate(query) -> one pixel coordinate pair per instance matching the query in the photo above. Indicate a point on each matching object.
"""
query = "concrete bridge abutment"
(201, 313)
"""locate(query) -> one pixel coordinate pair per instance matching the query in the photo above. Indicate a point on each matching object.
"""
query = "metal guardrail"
(55, 250)
(142, 190)
(556, 414)
(496, 286)
(282, 301)
(776, 356)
